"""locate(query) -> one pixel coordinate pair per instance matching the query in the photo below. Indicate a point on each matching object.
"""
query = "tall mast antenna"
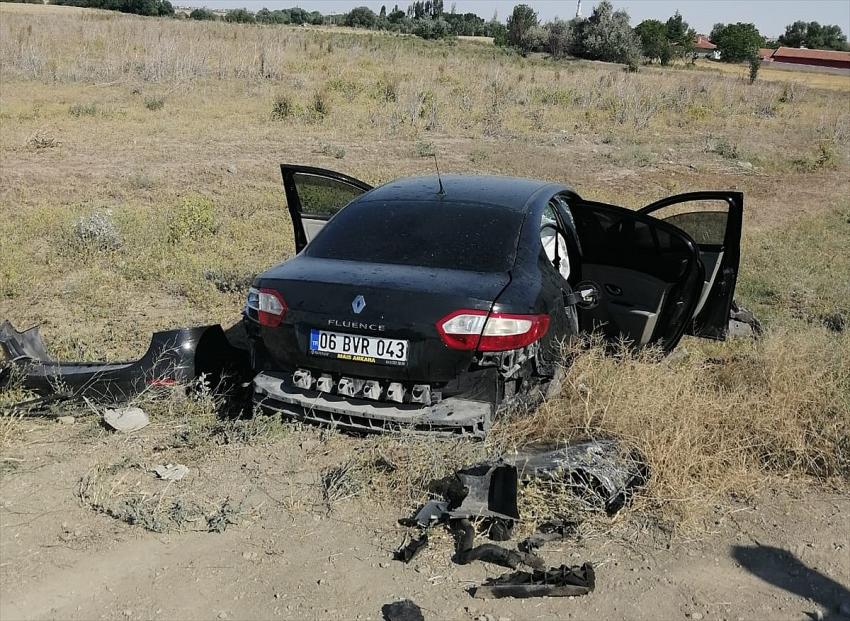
(578, 10)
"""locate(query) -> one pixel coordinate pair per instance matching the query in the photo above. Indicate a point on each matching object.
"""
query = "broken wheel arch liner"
(173, 357)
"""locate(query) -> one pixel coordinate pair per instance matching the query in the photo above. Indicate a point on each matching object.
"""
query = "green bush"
(321, 103)
(282, 107)
(192, 220)
(154, 103)
(78, 110)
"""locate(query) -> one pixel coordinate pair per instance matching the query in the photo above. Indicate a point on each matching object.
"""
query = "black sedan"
(428, 303)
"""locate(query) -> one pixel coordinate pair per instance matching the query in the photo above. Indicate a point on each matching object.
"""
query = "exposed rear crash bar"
(173, 357)
(452, 416)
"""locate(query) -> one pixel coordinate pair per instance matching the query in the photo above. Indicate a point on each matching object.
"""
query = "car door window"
(713, 221)
(553, 242)
(322, 197)
(314, 196)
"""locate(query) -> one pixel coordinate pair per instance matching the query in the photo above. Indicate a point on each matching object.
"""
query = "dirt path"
(779, 557)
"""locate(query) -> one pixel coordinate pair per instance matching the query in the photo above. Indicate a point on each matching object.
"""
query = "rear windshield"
(465, 236)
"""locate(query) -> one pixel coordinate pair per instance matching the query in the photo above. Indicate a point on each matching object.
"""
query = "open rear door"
(314, 196)
(713, 221)
(645, 275)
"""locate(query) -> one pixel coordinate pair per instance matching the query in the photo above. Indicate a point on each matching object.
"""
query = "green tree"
(653, 40)
(202, 14)
(361, 16)
(736, 42)
(813, 35)
(521, 25)
(755, 65)
(396, 15)
(560, 39)
(240, 16)
(680, 36)
(606, 35)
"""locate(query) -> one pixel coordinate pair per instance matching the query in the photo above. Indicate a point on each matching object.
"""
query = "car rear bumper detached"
(451, 417)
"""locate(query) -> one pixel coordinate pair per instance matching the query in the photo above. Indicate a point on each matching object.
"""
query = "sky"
(769, 16)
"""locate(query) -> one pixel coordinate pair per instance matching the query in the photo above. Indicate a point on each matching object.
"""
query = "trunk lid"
(398, 302)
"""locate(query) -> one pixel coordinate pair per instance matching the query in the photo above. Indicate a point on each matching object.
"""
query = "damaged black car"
(429, 303)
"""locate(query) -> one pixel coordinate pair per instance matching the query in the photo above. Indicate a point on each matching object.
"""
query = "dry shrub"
(128, 491)
(397, 469)
(42, 140)
(707, 426)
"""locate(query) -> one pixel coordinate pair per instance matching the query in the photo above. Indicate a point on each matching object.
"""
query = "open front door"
(314, 196)
(646, 275)
(713, 221)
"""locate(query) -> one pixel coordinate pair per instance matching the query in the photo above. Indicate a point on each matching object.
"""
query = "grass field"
(140, 178)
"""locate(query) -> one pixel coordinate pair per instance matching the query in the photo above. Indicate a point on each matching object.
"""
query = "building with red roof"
(817, 58)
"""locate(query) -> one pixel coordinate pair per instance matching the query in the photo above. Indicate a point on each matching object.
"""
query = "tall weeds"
(708, 425)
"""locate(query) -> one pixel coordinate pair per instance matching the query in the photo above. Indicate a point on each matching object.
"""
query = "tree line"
(605, 35)
(139, 7)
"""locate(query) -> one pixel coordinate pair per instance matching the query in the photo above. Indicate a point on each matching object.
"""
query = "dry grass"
(168, 134)
(769, 73)
(710, 425)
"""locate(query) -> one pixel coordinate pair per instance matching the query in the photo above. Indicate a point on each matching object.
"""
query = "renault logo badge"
(358, 304)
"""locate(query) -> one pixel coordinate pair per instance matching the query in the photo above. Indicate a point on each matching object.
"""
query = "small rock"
(66, 420)
(171, 472)
(383, 565)
(308, 445)
(696, 616)
(232, 169)
(745, 165)
(126, 419)
(818, 615)
(222, 615)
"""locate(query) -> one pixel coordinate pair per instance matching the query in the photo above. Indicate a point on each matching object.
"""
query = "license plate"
(358, 348)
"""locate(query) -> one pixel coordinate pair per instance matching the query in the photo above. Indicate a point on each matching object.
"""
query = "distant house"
(703, 48)
(818, 58)
(766, 54)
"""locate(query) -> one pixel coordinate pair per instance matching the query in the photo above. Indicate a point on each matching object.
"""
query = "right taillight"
(269, 306)
(478, 330)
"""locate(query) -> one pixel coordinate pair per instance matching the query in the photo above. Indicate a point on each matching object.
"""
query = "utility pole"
(578, 10)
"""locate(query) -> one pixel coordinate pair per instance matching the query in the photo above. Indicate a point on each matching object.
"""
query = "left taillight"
(476, 330)
(269, 306)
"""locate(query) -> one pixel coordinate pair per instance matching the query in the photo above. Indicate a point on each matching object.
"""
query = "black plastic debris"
(596, 470)
(407, 552)
(431, 512)
(402, 610)
(173, 357)
(485, 490)
(554, 530)
(563, 581)
(488, 552)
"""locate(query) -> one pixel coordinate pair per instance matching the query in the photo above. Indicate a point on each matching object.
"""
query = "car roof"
(509, 192)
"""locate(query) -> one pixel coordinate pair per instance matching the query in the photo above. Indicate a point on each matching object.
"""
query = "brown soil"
(780, 555)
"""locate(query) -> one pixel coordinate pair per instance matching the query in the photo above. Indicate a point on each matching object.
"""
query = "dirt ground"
(286, 555)
(142, 121)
